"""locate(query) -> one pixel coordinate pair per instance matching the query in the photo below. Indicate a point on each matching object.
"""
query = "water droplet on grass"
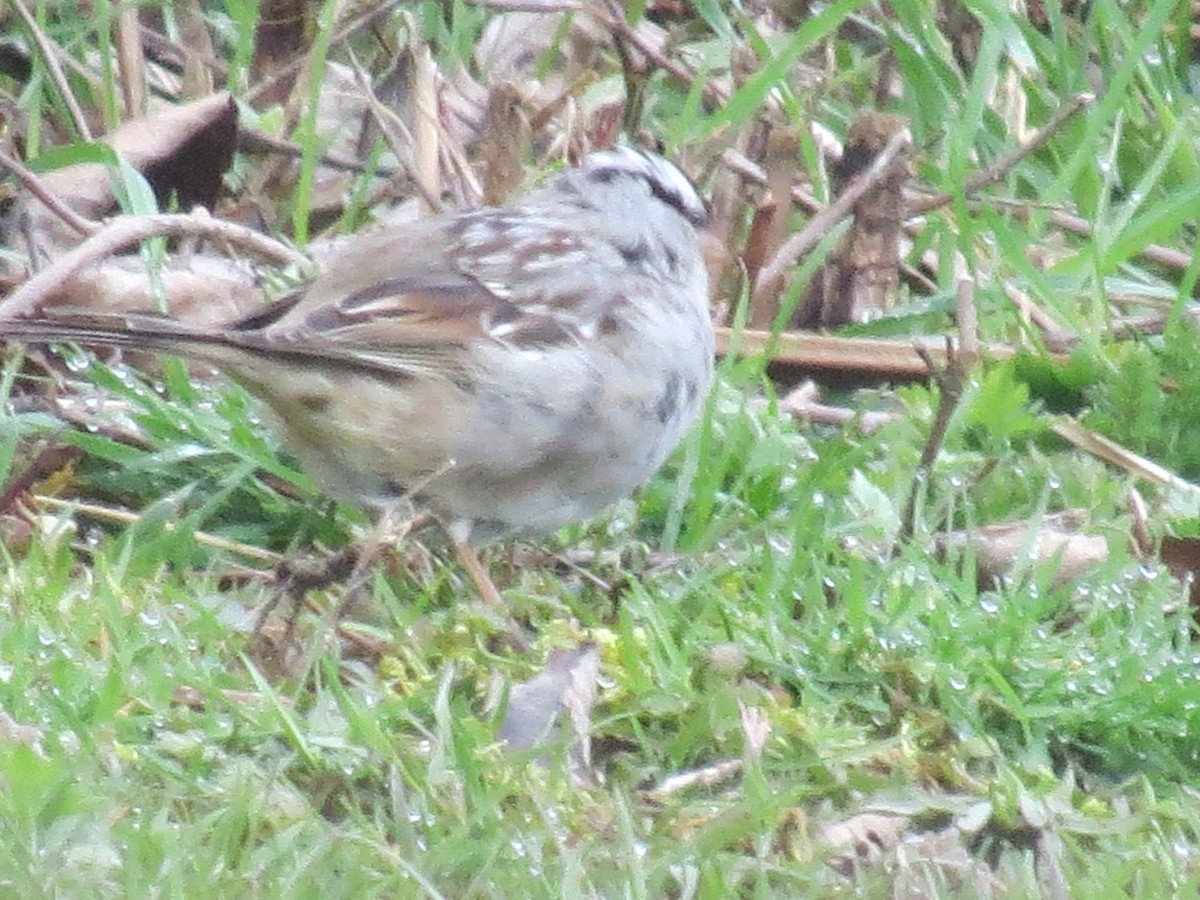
(76, 361)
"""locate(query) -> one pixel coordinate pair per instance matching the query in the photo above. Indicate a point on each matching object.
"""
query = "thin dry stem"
(34, 184)
(1006, 162)
(131, 62)
(707, 776)
(785, 258)
(356, 25)
(392, 127)
(123, 231)
(804, 405)
(124, 517)
(1114, 454)
(951, 381)
(616, 22)
(885, 358)
(1055, 335)
(48, 50)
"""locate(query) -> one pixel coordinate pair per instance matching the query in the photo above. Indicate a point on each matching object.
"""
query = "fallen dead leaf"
(12, 732)
(566, 687)
(1182, 556)
(998, 549)
(705, 776)
(182, 150)
(864, 838)
(926, 861)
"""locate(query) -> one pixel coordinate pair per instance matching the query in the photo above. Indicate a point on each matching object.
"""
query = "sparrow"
(510, 369)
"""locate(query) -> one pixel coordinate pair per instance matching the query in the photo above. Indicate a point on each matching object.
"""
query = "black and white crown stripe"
(666, 181)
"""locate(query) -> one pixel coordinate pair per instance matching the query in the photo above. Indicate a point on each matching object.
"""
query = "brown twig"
(50, 57)
(616, 23)
(356, 25)
(50, 458)
(804, 405)
(124, 231)
(537, 6)
(131, 61)
(1177, 260)
(750, 171)
(819, 225)
(216, 542)
(109, 514)
(389, 123)
(34, 184)
(1006, 162)
(1055, 336)
(1167, 257)
(880, 357)
(951, 381)
(1114, 454)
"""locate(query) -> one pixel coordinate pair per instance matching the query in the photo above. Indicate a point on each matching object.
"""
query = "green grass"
(1053, 723)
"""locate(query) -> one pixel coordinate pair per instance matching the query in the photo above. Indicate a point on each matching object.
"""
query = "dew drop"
(76, 361)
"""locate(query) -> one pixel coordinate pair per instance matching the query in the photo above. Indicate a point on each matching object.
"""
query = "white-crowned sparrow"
(516, 368)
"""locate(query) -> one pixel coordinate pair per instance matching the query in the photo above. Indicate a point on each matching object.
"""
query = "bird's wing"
(420, 294)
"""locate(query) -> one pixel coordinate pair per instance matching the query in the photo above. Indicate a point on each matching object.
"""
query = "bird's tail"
(246, 350)
(134, 331)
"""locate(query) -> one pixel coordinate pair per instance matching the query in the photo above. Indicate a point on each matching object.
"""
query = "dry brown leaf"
(1182, 556)
(203, 290)
(566, 687)
(12, 732)
(504, 143)
(998, 549)
(865, 838)
(940, 858)
(280, 36)
(862, 276)
(183, 151)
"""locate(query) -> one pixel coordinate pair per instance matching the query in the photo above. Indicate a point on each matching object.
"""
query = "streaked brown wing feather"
(420, 301)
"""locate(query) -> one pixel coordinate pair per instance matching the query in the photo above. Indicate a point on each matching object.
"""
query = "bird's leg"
(396, 522)
(478, 573)
(295, 578)
(469, 560)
